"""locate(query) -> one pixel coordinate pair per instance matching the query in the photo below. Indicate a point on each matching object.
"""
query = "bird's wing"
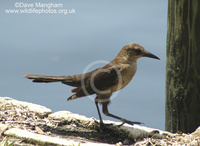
(99, 80)
(77, 80)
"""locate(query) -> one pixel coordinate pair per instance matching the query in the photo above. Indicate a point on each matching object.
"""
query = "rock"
(133, 131)
(41, 111)
(137, 131)
(46, 140)
(197, 132)
(3, 127)
(35, 124)
(68, 117)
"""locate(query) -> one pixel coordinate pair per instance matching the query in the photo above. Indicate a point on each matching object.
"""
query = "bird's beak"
(148, 54)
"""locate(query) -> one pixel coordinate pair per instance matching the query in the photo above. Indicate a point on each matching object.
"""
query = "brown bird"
(104, 80)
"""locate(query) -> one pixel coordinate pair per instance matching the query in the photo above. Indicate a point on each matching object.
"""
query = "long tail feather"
(45, 78)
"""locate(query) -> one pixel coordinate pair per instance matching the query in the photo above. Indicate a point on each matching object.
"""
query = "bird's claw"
(102, 125)
(129, 122)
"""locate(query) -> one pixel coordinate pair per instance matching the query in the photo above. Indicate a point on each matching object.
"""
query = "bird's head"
(132, 51)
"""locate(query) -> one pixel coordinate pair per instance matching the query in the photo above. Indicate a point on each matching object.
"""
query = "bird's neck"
(125, 59)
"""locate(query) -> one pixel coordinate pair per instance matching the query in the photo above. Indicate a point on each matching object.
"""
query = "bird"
(102, 81)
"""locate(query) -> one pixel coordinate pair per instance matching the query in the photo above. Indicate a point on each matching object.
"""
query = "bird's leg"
(100, 118)
(102, 125)
(105, 111)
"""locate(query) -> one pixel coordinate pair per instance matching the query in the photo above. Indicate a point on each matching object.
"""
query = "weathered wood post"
(183, 66)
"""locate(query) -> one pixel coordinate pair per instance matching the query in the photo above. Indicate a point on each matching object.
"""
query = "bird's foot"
(101, 123)
(103, 126)
(129, 122)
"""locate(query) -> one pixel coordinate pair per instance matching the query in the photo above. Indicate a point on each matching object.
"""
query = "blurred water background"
(64, 44)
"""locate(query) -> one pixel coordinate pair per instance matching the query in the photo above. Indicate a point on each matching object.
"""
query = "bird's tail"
(45, 78)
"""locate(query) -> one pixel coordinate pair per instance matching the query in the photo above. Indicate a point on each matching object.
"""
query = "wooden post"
(183, 66)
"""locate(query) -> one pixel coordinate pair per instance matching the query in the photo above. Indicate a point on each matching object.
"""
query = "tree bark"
(183, 66)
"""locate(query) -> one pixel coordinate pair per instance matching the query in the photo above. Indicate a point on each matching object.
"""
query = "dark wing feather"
(96, 81)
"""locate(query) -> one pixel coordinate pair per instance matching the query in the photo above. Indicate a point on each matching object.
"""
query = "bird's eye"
(138, 51)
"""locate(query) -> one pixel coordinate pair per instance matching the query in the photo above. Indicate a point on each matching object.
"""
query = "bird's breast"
(125, 76)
